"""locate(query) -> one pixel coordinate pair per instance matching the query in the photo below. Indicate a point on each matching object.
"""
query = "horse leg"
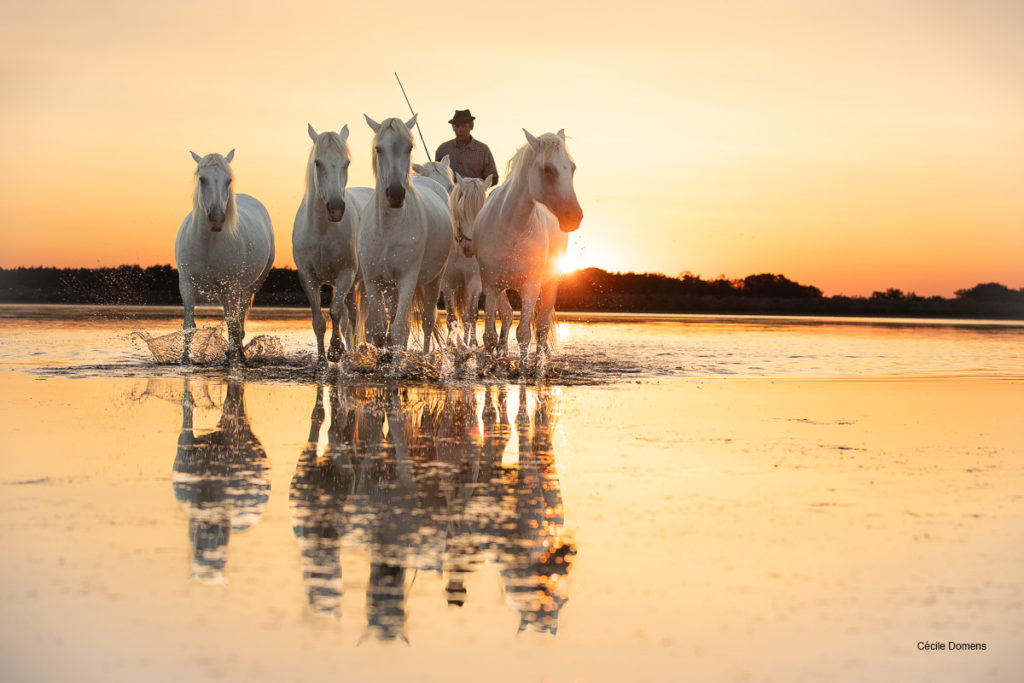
(545, 313)
(354, 299)
(234, 316)
(471, 310)
(188, 326)
(377, 323)
(450, 306)
(401, 301)
(339, 315)
(505, 309)
(430, 293)
(319, 324)
(529, 295)
(490, 310)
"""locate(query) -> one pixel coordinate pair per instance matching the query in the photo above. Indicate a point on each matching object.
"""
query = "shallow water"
(693, 497)
(592, 348)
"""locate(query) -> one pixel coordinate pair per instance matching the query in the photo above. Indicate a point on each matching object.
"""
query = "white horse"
(224, 248)
(462, 276)
(404, 241)
(521, 233)
(324, 239)
(438, 171)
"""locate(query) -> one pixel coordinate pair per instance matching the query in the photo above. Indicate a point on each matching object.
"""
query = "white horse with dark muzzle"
(405, 237)
(324, 239)
(224, 248)
(520, 235)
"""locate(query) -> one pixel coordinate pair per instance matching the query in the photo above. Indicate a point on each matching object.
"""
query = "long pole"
(426, 150)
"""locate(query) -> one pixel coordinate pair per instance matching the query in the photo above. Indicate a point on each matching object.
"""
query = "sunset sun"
(574, 259)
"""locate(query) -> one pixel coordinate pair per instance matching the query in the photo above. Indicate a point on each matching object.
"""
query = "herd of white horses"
(420, 232)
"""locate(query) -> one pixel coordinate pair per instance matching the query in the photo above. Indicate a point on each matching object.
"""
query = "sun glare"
(572, 260)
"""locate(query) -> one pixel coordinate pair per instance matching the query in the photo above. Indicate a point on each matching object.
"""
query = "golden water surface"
(213, 526)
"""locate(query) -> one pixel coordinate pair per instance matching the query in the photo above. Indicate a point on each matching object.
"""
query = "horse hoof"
(334, 354)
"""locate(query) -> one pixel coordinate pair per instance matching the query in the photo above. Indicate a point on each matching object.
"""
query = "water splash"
(209, 346)
(290, 358)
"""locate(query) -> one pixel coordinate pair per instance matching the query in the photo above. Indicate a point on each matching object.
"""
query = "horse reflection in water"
(220, 478)
(408, 474)
(515, 518)
(319, 495)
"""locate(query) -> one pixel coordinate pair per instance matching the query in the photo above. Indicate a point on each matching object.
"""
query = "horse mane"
(215, 160)
(524, 156)
(324, 141)
(399, 127)
(466, 200)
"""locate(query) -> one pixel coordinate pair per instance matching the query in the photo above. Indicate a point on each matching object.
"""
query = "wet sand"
(725, 530)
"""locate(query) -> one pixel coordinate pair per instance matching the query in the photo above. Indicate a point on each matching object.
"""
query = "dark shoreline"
(586, 291)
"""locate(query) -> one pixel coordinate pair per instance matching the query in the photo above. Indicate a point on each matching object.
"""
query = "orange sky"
(854, 146)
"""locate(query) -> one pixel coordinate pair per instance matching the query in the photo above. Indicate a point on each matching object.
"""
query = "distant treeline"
(591, 289)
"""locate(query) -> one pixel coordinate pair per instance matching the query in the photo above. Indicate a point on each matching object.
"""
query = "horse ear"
(196, 156)
(411, 122)
(458, 176)
(418, 168)
(446, 161)
(343, 133)
(312, 132)
(534, 142)
(230, 156)
(372, 124)
(489, 180)
(561, 134)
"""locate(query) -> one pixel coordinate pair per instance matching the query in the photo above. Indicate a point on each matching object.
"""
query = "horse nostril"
(335, 211)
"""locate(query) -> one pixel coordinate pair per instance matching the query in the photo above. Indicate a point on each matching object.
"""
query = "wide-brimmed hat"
(462, 116)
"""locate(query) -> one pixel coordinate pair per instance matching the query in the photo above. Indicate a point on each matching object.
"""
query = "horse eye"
(202, 181)
(317, 163)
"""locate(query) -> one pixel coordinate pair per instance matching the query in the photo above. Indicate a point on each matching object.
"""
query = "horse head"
(392, 157)
(439, 171)
(550, 178)
(328, 169)
(214, 196)
(467, 198)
